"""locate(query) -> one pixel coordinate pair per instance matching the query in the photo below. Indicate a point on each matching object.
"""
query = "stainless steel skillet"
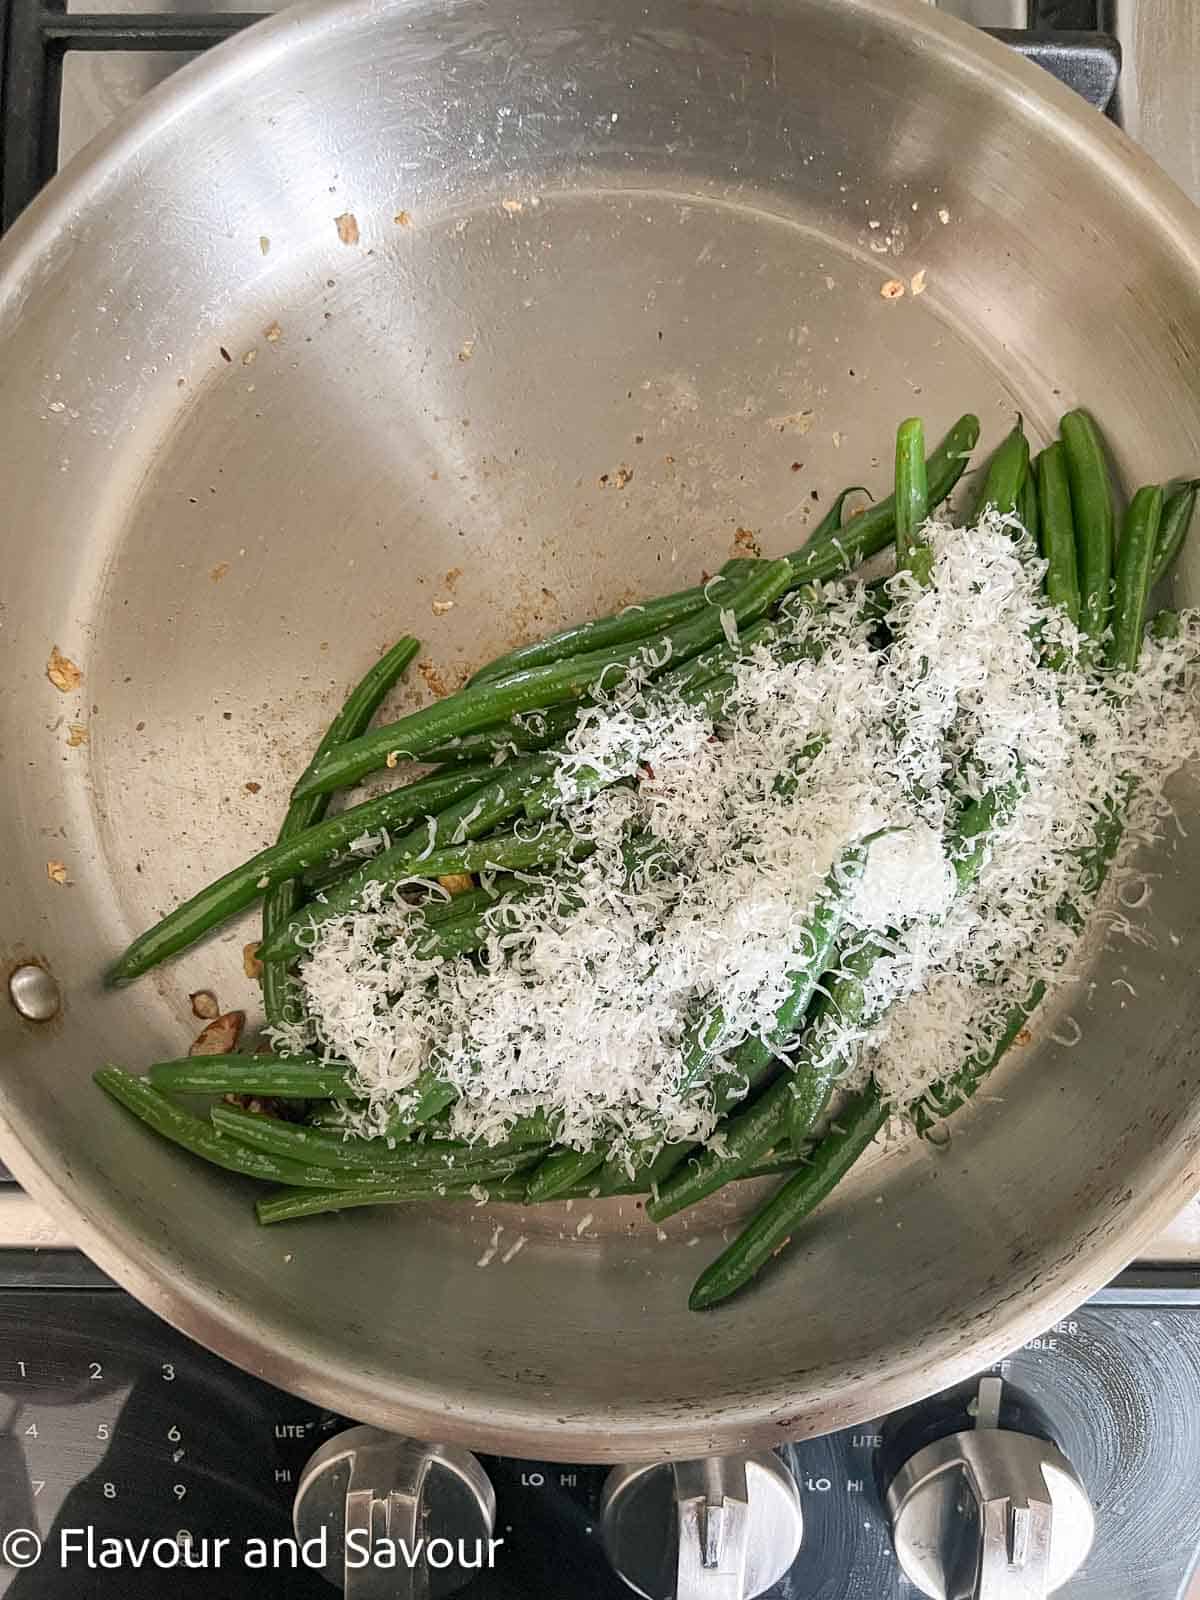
(363, 314)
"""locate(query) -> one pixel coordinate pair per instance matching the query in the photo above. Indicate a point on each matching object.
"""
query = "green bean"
(540, 687)
(818, 936)
(437, 910)
(830, 524)
(536, 1128)
(739, 567)
(873, 530)
(1176, 521)
(699, 682)
(912, 499)
(320, 1147)
(549, 797)
(745, 1139)
(769, 1168)
(460, 936)
(794, 1102)
(1028, 506)
(342, 1115)
(288, 1205)
(456, 933)
(712, 696)
(772, 1226)
(754, 1058)
(819, 1059)
(562, 1169)
(1092, 506)
(281, 997)
(283, 1078)
(521, 734)
(1006, 473)
(500, 852)
(652, 1164)
(1135, 572)
(476, 814)
(432, 1096)
(439, 907)
(192, 1133)
(692, 674)
(971, 840)
(318, 879)
(425, 1101)
(1096, 860)
(1165, 625)
(631, 623)
(948, 1094)
(279, 862)
(1058, 531)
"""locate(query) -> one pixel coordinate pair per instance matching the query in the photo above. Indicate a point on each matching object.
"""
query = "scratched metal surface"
(245, 446)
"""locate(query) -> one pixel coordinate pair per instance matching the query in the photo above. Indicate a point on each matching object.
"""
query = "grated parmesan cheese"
(591, 978)
(493, 1249)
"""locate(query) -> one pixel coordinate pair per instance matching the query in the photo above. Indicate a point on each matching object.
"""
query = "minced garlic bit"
(62, 671)
(703, 876)
(221, 1036)
(456, 883)
(204, 1005)
(893, 289)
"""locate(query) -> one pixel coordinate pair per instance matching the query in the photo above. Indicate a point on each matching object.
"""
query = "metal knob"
(990, 1514)
(725, 1528)
(397, 1519)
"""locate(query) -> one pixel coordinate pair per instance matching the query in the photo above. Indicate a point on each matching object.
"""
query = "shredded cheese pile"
(711, 844)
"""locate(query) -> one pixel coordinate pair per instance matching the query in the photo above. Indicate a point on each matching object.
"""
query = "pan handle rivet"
(35, 993)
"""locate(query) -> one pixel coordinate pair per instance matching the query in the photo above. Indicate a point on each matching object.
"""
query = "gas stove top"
(134, 1463)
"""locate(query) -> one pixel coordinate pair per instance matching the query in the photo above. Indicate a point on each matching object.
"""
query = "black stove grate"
(35, 36)
(1070, 38)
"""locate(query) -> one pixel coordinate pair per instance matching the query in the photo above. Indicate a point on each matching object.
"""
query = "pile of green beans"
(296, 1122)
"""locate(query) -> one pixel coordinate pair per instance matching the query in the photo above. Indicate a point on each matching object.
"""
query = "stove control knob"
(725, 1528)
(399, 1520)
(990, 1513)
